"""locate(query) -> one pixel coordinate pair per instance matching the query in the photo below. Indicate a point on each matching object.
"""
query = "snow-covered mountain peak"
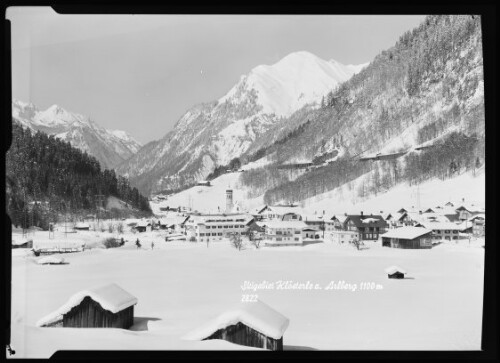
(287, 85)
(110, 147)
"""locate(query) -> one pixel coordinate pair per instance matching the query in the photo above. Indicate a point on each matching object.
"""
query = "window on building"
(456, 232)
(219, 234)
(447, 231)
(219, 226)
(214, 234)
(279, 238)
(202, 234)
(296, 238)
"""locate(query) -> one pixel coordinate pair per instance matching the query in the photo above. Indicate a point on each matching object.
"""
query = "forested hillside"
(428, 88)
(48, 176)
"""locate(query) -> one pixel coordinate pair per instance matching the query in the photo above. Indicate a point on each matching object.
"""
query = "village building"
(448, 212)
(478, 223)
(278, 212)
(467, 211)
(173, 223)
(216, 227)
(204, 183)
(141, 226)
(369, 227)
(320, 221)
(341, 236)
(255, 231)
(252, 324)
(339, 222)
(442, 230)
(397, 219)
(408, 237)
(107, 306)
(283, 233)
(395, 272)
(291, 216)
(311, 235)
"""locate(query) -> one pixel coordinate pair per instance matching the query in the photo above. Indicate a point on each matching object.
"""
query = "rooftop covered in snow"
(285, 224)
(406, 232)
(441, 226)
(393, 269)
(111, 297)
(256, 315)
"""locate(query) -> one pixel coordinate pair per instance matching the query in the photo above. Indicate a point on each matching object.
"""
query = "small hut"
(253, 324)
(395, 272)
(82, 226)
(141, 226)
(107, 306)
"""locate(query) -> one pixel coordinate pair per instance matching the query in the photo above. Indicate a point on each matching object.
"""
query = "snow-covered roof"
(285, 209)
(142, 224)
(369, 220)
(446, 210)
(285, 224)
(82, 225)
(473, 208)
(441, 225)
(221, 218)
(111, 297)
(256, 315)
(341, 217)
(393, 269)
(50, 260)
(314, 217)
(482, 215)
(406, 232)
(18, 240)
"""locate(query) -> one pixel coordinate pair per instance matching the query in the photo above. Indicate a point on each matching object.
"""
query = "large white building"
(282, 233)
(216, 227)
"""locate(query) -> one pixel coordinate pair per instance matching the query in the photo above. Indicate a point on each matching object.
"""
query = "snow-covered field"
(182, 285)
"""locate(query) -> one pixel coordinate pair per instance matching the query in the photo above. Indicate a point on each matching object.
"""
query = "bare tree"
(119, 227)
(236, 240)
(256, 242)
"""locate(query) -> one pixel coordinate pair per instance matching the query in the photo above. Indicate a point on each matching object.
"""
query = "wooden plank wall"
(90, 314)
(244, 335)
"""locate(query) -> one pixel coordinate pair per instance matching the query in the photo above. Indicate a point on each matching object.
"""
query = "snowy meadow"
(336, 297)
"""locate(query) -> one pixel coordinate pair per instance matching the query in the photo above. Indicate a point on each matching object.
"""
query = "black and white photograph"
(256, 182)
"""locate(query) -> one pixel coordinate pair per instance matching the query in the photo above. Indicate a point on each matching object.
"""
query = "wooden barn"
(253, 324)
(107, 306)
(408, 237)
(395, 272)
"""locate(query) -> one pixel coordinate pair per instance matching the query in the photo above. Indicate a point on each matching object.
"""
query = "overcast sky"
(140, 73)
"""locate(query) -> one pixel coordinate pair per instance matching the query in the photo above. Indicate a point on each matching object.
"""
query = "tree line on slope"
(432, 65)
(455, 154)
(47, 177)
